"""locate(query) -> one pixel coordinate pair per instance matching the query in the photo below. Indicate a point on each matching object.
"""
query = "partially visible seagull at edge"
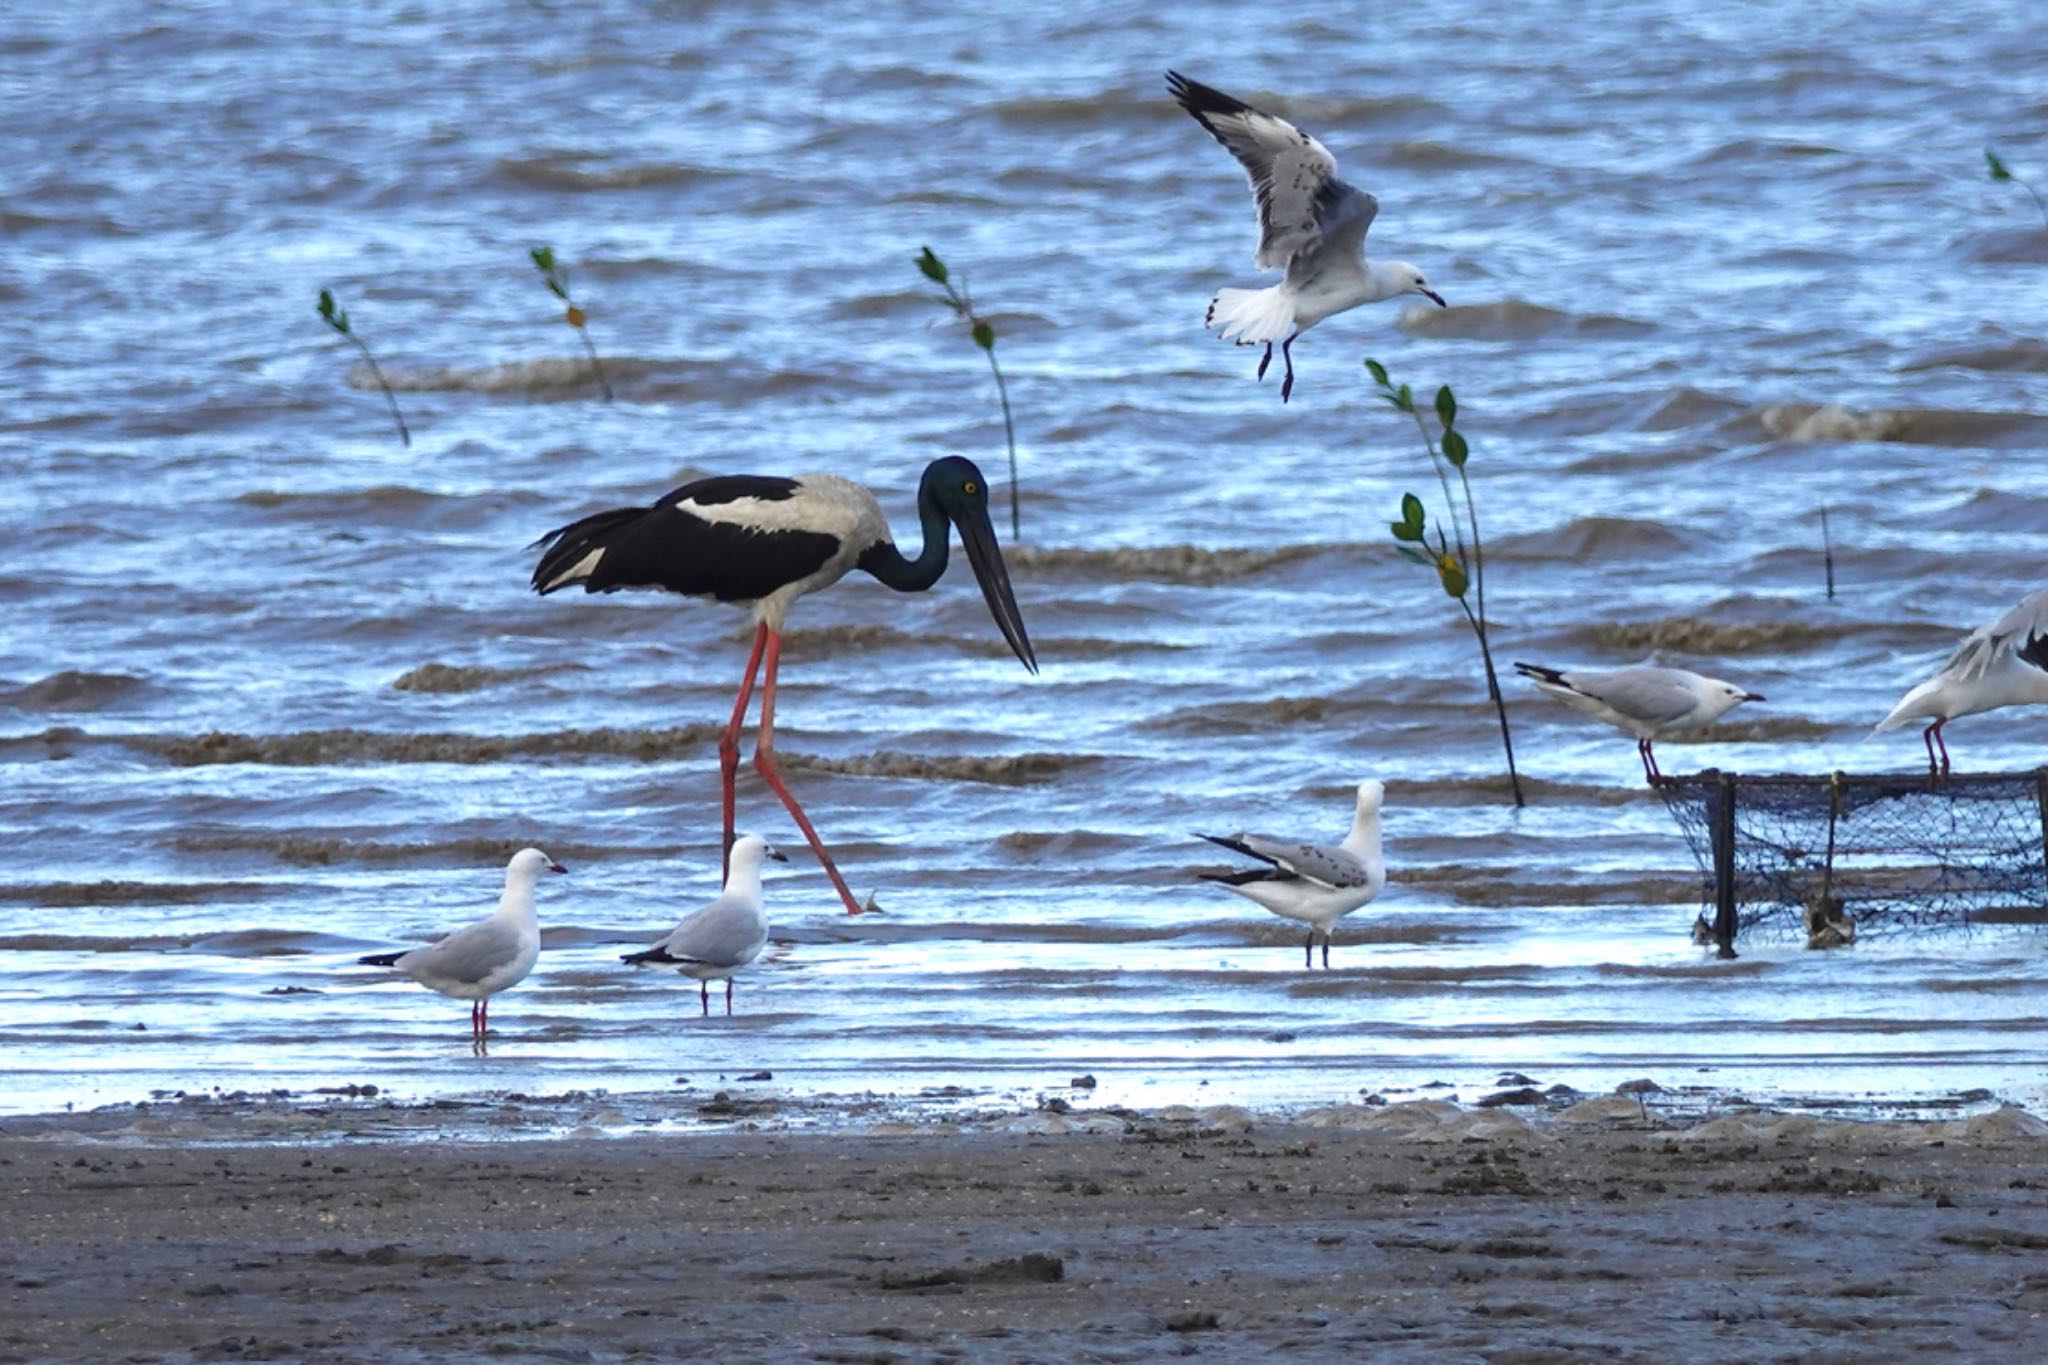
(719, 940)
(1317, 884)
(494, 954)
(1311, 225)
(1648, 701)
(2002, 664)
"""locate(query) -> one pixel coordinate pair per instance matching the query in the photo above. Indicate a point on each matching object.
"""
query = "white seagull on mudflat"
(1311, 225)
(1648, 701)
(1318, 884)
(761, 542)
(718, 941)
(494, 954)
(2002, 664)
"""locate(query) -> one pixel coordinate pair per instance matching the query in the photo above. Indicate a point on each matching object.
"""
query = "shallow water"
(273, 693)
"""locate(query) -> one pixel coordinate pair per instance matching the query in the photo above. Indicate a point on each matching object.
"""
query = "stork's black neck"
(886, 562)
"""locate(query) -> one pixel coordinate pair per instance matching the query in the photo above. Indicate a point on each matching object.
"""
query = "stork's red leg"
(764, 761)
(729, 745)
(1938, 739)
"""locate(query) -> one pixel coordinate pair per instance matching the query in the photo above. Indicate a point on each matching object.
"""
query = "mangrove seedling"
(2000, 171)
(557, 278)
(1460, 568)
(957, 299)
(335, 316)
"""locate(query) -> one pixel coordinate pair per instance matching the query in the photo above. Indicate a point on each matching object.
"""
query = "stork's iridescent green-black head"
(953, 490)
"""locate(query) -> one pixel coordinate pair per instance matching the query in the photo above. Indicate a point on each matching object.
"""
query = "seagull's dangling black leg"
(728, 997)
(1308, 950)
(1287, 354)
(704, 997)
(1326, 950)
(1264, 361)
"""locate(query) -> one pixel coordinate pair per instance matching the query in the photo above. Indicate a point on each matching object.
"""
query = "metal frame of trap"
(1995, 871)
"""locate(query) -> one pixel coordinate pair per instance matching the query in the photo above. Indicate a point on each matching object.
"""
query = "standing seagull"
(2002, 664)
(1311, 225)
(761, 542)
(1316, 883)
(491, 955)
(1649, 701)
(718, 940)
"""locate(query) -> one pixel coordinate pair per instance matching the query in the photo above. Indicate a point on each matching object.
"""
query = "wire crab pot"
(1890, 852)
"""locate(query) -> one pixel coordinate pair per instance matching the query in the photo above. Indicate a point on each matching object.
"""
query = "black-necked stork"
(761, 542)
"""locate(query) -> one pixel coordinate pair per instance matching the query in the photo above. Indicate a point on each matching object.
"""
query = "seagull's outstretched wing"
(1304, 209)
(2021, 633)
(1321, 863)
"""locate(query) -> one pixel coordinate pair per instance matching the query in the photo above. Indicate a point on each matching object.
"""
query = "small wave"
(236, 943)
(75, 894)
(452, 678)
(321, 748)
(2009, 246)
(575, 173)
(1993, 509)
(1491, 791)
(1003, 770)
(1593, 538)
(1905, 426)
(1514, 320)
(1240, 717)
(1705, 639)
(520, 376)
(325, 850)
(1110, 108)
(1689, 408)
(1166, 563)
(72, 690)
(2019, 353)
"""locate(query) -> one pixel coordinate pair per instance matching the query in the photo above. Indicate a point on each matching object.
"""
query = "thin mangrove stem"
(1437, 462)
(596, 364)
(1010, 437)
(404, 435)
(1500, 708)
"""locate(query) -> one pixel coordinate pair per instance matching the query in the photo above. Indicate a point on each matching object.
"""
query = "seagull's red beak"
(1438, 298)
(556, 867)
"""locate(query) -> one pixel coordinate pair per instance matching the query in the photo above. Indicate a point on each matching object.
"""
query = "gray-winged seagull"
(1318, 884)
(722, 938)
(494, 954)
(1648, 701)
(1311, 225)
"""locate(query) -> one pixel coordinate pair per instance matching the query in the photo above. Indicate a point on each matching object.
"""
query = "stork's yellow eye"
(969, 488)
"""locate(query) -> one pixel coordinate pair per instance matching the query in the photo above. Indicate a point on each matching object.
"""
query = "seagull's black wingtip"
(1199, 99)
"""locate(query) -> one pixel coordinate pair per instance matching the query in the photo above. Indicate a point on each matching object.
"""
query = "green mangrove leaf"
(1455, 449)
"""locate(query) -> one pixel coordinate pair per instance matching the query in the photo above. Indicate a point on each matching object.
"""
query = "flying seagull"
(1311, 225)
(1649, 701)
(2002, 664)
(716, 942)
(761, 542)
(1318, 884)
(491, 955)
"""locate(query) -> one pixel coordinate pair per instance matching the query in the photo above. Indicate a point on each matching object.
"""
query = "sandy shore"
(1415, 1231)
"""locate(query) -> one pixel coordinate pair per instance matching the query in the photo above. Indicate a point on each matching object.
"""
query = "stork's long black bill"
(978, 538)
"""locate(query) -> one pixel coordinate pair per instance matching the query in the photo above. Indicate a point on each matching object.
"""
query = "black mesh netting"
(1895, 852)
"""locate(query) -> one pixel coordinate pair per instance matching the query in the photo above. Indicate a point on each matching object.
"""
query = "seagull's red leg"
(1927, 738)
(1938, 739)
(1287, 354)
(764, 761)
(729, 745)
(1264, 361)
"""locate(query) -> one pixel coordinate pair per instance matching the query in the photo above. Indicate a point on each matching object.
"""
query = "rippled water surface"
(273, 693)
